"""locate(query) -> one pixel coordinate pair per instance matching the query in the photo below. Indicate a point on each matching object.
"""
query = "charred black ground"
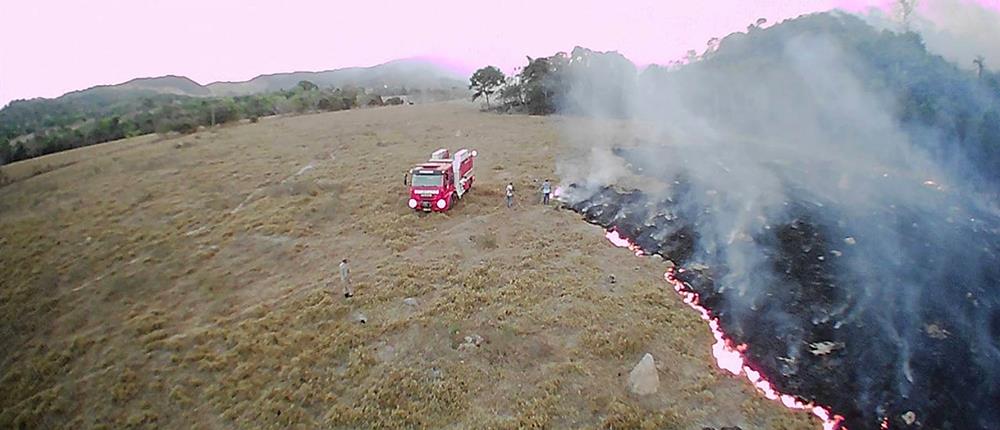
(835, 206)
(809, 332)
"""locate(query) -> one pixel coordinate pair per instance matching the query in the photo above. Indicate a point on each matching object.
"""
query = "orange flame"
(730, 357)
(623, 242)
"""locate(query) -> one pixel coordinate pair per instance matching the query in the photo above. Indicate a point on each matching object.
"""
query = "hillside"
(30, 128)
(830, 190)
(755, 84)
(412, 74)
(177, 85)
(397, 74)
(186, 283)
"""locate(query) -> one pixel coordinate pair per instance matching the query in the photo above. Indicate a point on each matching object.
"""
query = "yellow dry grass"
(190, 283)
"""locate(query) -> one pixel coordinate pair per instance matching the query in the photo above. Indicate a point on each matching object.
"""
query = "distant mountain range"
(39, 126)
(408, 73)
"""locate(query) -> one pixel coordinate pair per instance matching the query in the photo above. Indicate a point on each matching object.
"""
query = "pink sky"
(51, 47)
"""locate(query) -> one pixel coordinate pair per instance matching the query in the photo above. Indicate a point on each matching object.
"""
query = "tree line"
(935, 100)
(32, 128)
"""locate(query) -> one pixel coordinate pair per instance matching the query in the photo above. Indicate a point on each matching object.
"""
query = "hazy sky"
(50, 47)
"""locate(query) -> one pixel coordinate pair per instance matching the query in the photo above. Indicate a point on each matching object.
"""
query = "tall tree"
(905, 10)
(691, 56)
(544, 83)
(980, 63)
(307, 86)
(5, 151)
(486, 81)
(711, 46)
(512, 93)
(757, 25)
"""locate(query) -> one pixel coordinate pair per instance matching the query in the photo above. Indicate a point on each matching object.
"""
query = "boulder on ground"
(643, 379)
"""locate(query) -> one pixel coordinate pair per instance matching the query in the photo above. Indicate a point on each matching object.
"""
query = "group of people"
(345, 268)
(546, 190)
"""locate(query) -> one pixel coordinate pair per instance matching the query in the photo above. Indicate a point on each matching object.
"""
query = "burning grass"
(142, 298)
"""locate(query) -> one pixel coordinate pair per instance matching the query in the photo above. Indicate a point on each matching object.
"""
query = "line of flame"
(623, 242)
(729, 357)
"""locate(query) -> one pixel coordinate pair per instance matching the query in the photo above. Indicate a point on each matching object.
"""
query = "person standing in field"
(345, 279)
(546, 191)
(510, 195)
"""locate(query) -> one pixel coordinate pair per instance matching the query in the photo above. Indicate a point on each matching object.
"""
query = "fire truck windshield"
(425, 180)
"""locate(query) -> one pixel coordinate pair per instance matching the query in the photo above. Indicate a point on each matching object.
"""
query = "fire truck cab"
(438, 183)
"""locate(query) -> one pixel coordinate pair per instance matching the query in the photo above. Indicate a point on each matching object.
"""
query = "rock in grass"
(472, 341)
(643, 379)
(410, 301)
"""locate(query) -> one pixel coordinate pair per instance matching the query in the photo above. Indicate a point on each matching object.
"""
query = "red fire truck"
(436, 184)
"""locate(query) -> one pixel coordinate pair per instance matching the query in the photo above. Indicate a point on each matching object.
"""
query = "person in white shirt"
(345, 278)
(546, 191)
(510, 194)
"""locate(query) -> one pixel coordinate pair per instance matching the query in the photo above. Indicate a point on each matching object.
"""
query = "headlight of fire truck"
(412, 203)
(441, 203)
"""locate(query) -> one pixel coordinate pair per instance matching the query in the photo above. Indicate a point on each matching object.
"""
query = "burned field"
(838, 242)
(886, 318)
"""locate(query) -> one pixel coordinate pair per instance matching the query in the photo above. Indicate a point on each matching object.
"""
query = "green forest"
(31, 128)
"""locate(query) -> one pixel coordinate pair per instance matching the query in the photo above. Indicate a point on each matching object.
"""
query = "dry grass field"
(191, 282)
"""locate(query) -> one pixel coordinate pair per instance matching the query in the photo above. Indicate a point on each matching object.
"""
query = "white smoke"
(753, 134)
(958, 30)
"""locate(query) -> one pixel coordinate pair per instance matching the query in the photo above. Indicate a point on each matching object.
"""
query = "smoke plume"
(798, 166)
(958, 30)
